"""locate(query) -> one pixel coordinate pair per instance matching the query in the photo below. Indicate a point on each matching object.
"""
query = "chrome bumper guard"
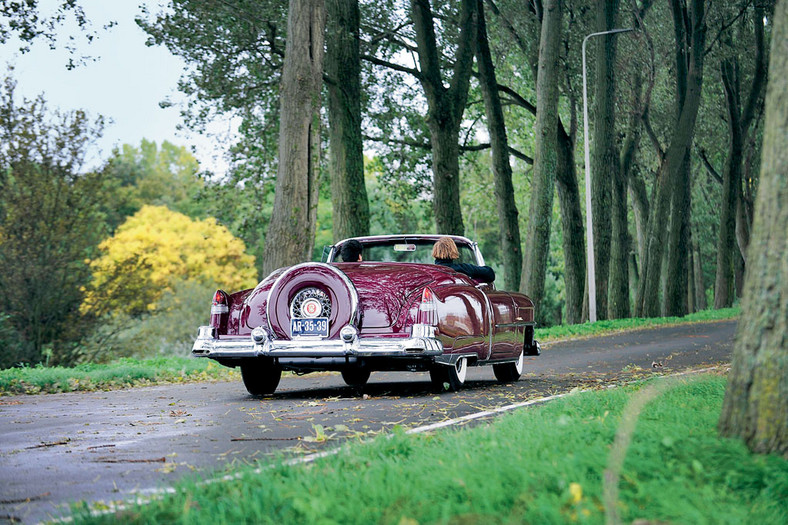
(207, 345)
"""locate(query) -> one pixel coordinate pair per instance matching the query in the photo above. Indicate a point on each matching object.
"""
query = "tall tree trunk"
(604, 159)
(620, 275)
(731, 180)
(698, 280)
(734, 226)
(739, 276)
(546, 155)
(629, 168)
(566, 186)
(618, 300)
(291, 232)
(691, 307)
(640, 209)
(346, 152)
(675, 295)
(508, 224)
(573, 230)
(446, 107)
(690, 45)
(756, 401)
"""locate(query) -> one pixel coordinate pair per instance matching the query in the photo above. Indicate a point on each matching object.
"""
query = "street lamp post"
(591, 273)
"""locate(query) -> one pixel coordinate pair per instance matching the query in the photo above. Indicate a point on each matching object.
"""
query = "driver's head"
(351, 251)
(445, 248)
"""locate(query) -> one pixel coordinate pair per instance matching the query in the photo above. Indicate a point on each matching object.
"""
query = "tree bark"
(697, 269)
(756, 400)
(620, 275)
(640, 210)
(346, 152)
(508, 223)
(572, 226)
(291, 232)
(546, 155)
(618, 300)
(446, 107)
(604, 159)
(690, 44)
(566, 186)
(675, 294)
(734, 227)
(731, 179)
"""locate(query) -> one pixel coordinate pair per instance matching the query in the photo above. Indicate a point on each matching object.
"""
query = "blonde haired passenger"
(446, 254)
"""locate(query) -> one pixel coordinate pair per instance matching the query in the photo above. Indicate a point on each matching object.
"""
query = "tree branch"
(464, 149)
(517, 99)
(391, 65)
(709, 168)
(652, 136)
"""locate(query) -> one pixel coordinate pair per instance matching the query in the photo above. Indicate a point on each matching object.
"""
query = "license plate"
(317, 326)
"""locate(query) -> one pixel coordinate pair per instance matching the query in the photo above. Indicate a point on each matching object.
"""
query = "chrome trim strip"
(515, 325)
(207, 346)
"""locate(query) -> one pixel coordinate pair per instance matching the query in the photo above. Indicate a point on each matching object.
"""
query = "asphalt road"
(109, 446)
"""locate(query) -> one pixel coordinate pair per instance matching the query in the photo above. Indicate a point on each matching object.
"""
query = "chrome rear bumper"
(207, 345)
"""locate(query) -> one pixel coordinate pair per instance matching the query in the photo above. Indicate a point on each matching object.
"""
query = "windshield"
(407, 250)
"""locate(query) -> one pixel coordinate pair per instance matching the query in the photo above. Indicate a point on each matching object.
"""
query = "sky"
(125, 84)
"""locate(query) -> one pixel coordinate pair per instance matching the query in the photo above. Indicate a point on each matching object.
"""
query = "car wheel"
(261, 376)
(450, 377)
(356, 376)
(508, 372)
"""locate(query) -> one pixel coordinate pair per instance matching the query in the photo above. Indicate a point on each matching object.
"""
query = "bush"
(15, 350)
(169, 330)
(156, 247)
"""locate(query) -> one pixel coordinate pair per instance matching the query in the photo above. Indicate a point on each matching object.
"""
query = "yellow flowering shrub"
(155, 248)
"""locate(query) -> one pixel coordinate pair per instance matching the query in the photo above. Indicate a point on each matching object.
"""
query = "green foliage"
(244, 206)
(24, 20)
(479, 209)
(169, 330)
(235, 53)
(15, 349)
(396, 206)
(50, 222)
(122, 373)
(324, 235)
(541, 465)
(166, 176)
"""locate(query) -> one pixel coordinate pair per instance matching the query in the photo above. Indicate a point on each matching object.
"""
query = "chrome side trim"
(514, 325)
(208, 346)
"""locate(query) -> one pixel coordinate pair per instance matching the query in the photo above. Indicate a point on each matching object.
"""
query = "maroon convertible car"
(393, 311)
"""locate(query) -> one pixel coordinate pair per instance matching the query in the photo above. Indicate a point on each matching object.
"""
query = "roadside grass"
(128, 372)
(555, 333)
(122, 373)
(545, 464)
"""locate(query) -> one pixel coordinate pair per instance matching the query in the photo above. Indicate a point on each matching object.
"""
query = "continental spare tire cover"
(311, 290)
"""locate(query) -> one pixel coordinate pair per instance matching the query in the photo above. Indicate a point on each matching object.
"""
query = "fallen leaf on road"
(65, 441)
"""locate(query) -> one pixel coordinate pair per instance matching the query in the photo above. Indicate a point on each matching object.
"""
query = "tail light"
(219, 310)
(428, 308)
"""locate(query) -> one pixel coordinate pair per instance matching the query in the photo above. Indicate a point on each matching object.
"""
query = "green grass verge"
(540, 465)
(119, 374)
(619, 325)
